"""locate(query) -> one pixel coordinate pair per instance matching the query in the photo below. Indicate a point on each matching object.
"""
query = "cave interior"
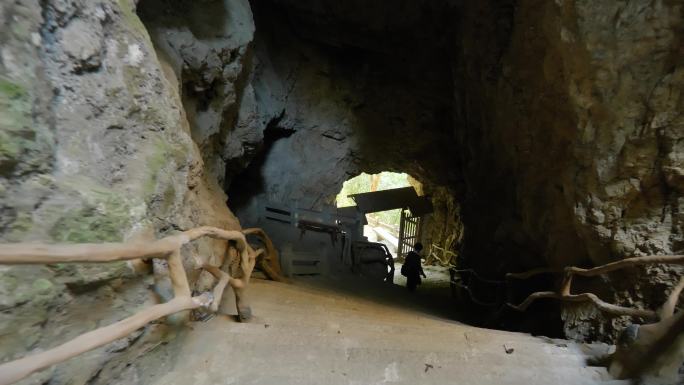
(546, 136)
(340, 89)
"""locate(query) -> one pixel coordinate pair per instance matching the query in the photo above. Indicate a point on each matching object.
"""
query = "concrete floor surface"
(317, 331)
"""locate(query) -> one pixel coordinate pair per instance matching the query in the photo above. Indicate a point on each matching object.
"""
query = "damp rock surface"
(548, 134)
(94, 147)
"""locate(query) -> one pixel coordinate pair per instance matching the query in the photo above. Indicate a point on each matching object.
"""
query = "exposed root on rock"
(565, 294)
(270, 262)
(655, 349)
(168, 248)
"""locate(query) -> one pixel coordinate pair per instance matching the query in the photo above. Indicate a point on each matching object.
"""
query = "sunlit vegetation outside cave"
(363, 183)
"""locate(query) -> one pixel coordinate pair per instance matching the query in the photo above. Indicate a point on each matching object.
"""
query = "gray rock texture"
(343, 97)
(207, 46)
(548, 133)
(572, 122)
(94, 147)
(554, 126)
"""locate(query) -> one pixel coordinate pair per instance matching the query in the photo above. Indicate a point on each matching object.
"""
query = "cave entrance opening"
(397, 216)
(382, 226)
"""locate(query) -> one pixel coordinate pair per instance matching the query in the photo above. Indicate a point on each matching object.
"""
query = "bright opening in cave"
(383, 226)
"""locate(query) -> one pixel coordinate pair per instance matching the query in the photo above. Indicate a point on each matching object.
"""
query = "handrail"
(564, 293)
(646, 351)
(166, 248)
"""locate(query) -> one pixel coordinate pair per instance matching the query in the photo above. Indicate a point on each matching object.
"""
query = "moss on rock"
(24, 144)
(105, 219)
(20, 226)
(162, 154)
(17, 288)
(15, 121)
(42, 286)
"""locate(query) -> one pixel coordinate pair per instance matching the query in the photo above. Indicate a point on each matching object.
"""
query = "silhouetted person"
(412, 267)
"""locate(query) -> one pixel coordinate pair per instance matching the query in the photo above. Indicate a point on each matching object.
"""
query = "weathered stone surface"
(547, 133)
(335, 110)
(555, 125)
(207, 45)
(82, 42)
(572, 113)
(94, 147)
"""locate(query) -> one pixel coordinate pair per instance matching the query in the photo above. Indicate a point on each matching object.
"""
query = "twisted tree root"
(270, 263)
(565, 295)
(668, 308)
(14, 371)
(167, 248)
(223, 280)
(239, 285)
(586, 297)
(533, 272)
(656, 351)
(653, 349)
(628, 262)
(31, 253)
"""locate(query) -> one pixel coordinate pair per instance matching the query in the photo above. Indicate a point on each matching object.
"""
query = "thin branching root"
(564, 293)
(651, 350)
(168, 248)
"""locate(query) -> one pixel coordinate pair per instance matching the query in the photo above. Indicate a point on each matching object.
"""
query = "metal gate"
(409, 232)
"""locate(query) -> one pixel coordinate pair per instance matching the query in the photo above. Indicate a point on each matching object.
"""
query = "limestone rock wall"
(557, 133)
(94, 147)
(208, 47)
(339, 103)
(572, 140)
(548, 133)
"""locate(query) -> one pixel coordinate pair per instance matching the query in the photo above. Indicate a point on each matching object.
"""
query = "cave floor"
(317, 331)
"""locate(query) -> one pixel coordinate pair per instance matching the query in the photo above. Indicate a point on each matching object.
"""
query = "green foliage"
(355, 185)
(362, 183)
(390, 180)
(390, 217)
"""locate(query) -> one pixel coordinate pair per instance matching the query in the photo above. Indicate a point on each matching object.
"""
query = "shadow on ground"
(433, 297)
